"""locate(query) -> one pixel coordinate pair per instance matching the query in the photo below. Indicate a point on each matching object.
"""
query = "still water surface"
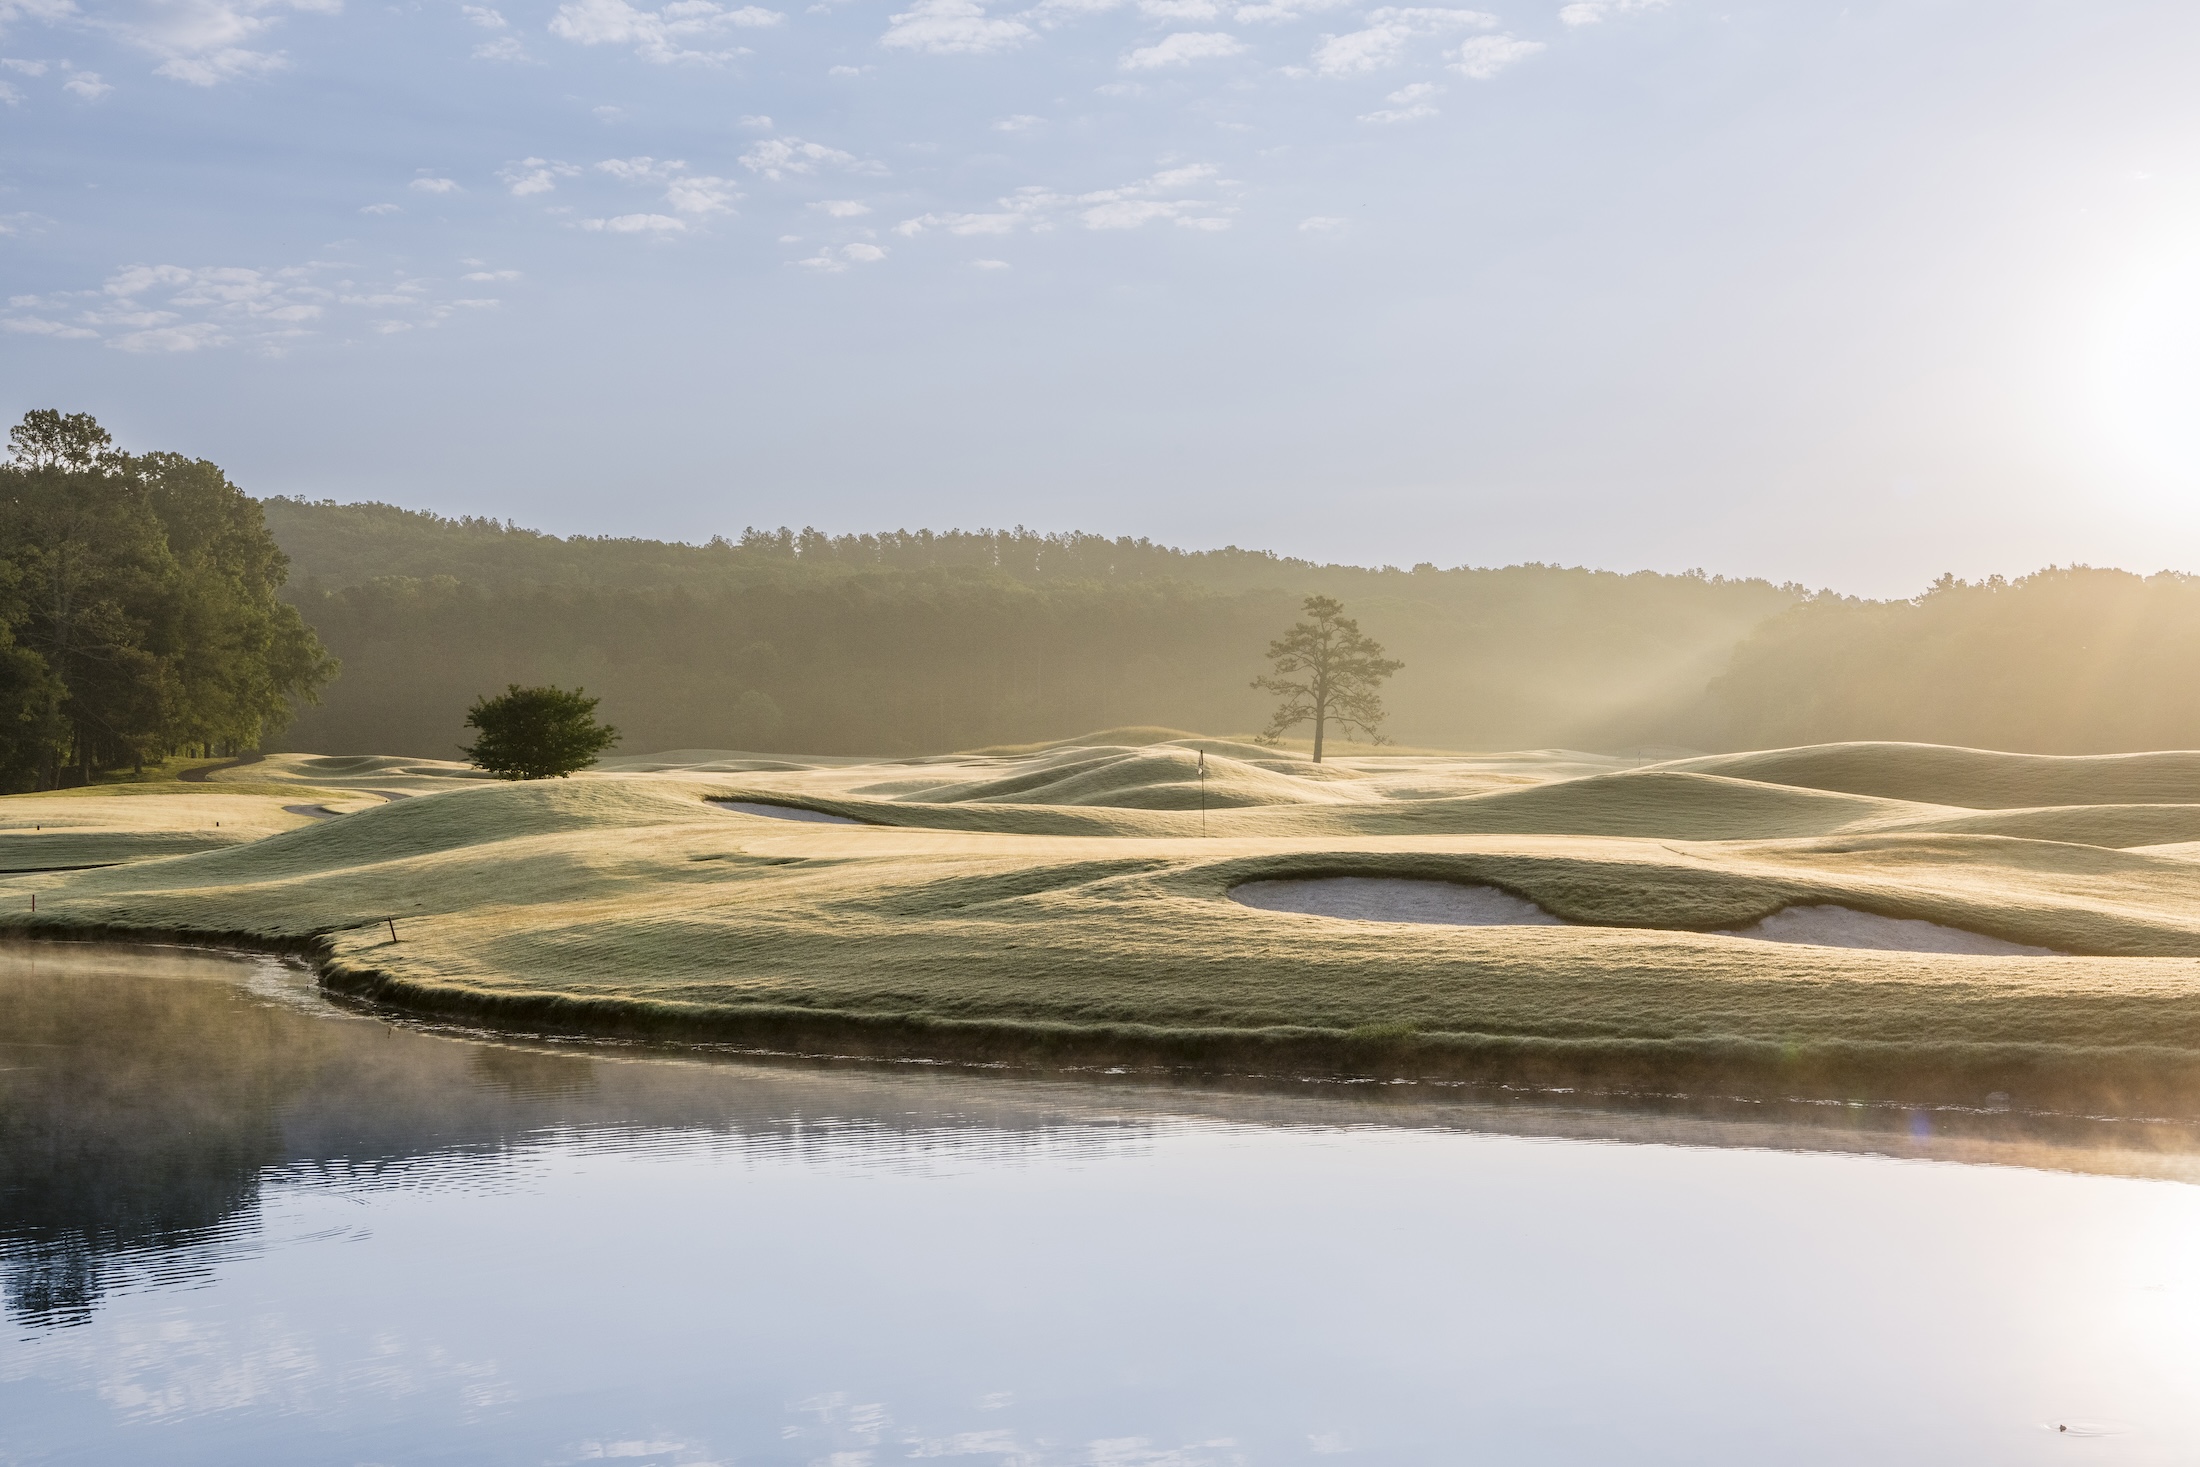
(239, 1226)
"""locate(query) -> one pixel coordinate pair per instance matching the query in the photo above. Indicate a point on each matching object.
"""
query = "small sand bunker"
(784, 812)
(1394, 899)
(1832, 926)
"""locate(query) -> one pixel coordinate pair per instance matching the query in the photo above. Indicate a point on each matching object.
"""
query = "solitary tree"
(1326, 672)
(537, 733)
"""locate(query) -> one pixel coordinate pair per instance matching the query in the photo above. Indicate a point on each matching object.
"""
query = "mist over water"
(238, 1226)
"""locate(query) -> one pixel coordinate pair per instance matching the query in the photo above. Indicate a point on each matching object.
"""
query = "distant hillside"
(914, 642)
(2066, 661)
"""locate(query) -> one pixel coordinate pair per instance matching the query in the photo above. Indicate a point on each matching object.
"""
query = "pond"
(239, 1225)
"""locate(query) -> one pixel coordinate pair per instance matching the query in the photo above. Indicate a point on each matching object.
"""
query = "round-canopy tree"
(536, 733)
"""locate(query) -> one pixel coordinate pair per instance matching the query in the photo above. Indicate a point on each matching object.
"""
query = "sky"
(1846, 295)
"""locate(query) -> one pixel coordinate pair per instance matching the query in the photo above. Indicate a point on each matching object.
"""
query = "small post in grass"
(393, 927)
(1203, 793)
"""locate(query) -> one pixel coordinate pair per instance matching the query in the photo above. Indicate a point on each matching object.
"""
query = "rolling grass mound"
(1135, 779)
(1977, 779)
(1067, 906)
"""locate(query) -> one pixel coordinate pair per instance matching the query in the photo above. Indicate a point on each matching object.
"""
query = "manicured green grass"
(1062, 906)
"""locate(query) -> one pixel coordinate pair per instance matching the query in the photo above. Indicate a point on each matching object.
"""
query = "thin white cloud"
(1407, 104)
(86, 84)
(201, 42)
(535, 175)
(1485, 56)
(953, 28)
(841, 208)
(382, 209)
(40, 326)
(168, 309)
(1179, 9)
(1279, 11)
(703, 195)
(1388, 35)
(1321, 224)
(674, 33)
(635, 224)
(20, 65)
(1183, 48)
(1188, 195)
(775, 158)
(1021, 122)
(989, 264)
(1591, 12)
(641, 170)
(488, 275)
(827, 262)
(686, 192)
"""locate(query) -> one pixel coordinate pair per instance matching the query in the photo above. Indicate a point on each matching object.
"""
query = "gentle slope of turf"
(1063, 906)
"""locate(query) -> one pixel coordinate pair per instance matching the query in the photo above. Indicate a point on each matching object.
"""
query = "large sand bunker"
(1394, 899)
(1453, 903)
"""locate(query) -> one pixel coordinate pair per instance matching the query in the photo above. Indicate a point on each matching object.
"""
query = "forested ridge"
(920, 641)
(914, 642)
(148, 606)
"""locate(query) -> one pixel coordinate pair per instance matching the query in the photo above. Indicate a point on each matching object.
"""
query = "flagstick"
(1203, 794)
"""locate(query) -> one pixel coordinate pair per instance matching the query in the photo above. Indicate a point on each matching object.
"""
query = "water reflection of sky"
(446, 1251)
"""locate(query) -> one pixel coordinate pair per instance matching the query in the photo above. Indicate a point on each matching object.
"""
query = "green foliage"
(1326, 671)
(537, 733)
(138, 608)
(916, 642)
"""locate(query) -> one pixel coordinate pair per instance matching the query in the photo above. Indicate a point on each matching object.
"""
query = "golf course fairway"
(1071, 905)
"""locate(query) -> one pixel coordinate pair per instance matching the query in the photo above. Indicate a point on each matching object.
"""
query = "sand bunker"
(784, 812)
(1832, 926)
(1394, 899)
(1399, 899)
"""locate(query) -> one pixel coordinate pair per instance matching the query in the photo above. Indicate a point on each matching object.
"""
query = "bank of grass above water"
(1062, 906)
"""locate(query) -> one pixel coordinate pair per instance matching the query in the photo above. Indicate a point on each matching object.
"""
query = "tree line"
(140, 612)
(912, 642)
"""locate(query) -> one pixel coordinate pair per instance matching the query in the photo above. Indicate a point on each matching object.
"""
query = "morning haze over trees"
(144, 609)
(139, 614)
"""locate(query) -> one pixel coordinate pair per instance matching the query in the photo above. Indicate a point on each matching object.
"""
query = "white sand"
(1832, 926)
(784, 812)
(1397, 899)
(1394, 899)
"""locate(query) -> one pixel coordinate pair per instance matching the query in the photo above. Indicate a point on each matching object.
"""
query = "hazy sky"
(1850, 295)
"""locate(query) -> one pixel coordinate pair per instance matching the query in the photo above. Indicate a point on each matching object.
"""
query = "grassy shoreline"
(972, 922)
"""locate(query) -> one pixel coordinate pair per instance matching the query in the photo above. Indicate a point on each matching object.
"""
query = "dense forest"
(144, 609)
(916, 642)
(139, 613)
(911, 642)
